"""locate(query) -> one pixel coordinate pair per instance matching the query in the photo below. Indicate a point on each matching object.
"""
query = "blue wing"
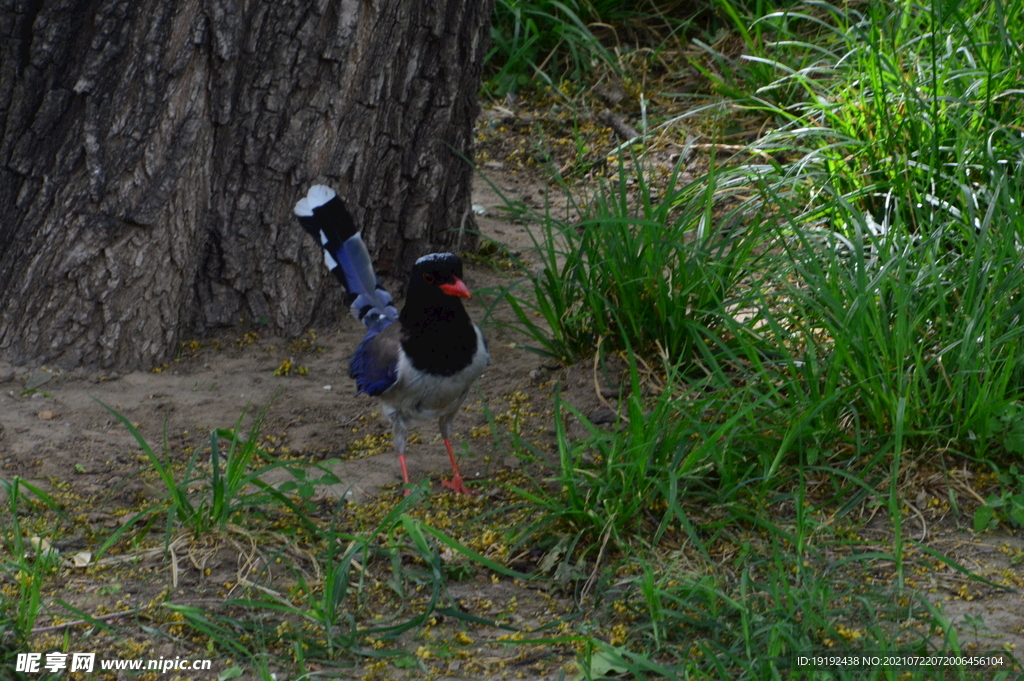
(375, 363)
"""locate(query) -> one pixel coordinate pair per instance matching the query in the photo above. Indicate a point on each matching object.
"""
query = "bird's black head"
(432, 303)
(437, 273)
(437, 335)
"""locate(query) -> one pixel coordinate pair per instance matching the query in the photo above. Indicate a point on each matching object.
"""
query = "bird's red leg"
(456, 484)
(405, 473)
(401, 434)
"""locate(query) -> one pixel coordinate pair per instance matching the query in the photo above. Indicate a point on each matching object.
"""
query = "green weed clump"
(653, 272)
(865, 253)
(898, 206)
(891, 107)
(210, 498)
(25, 565)
(628, 487)
(536, 43)
(837, 297)
(539, 42)
(904, 317)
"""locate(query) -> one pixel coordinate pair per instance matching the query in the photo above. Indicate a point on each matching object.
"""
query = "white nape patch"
(318, 195)
(434, 256)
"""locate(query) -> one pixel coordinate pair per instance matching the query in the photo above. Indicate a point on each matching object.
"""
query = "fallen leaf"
(41, 545)
(38, 378)
(82, 558)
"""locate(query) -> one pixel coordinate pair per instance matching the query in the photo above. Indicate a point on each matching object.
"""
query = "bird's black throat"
(438, 339)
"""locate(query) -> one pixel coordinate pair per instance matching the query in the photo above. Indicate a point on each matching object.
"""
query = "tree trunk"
(151, 152)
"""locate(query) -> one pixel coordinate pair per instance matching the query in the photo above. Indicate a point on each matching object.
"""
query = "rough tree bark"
(151, 152)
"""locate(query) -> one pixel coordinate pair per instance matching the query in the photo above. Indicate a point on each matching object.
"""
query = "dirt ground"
(60, 427)
(55, 434)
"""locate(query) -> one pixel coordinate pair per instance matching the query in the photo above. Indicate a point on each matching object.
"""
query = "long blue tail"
(323, 215)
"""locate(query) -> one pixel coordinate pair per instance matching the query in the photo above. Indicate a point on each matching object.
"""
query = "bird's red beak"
(455, 288)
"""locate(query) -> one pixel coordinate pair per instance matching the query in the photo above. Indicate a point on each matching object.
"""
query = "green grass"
(27, 562)
(626, 488)
(908, 129)
(651, 272)
(842, 295)
(882, 257)
(913, 321)
(538, 43)
(911, 109)
(209, 498)
(328, 609)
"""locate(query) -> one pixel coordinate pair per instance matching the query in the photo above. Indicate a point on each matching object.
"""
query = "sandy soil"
(58, 430)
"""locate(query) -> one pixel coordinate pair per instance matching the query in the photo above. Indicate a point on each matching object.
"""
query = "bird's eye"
(428, 277)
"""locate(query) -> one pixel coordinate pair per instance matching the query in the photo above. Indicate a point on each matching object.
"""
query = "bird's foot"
(456, 485)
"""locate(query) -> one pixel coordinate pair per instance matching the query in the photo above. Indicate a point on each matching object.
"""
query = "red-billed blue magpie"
(422, 366)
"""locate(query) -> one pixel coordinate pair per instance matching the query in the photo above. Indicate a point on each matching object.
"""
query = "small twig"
(135, 557)
(462, 228)
(270, 592)
(970, 490)
(650, 376)
(597, 564)
(597, 384)
(77, 623)
(731, 147)
(174, 566)
(530, 659)
(924, 525)
(621, 128)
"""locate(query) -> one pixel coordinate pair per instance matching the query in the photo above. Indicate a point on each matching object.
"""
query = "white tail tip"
(318, 195)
